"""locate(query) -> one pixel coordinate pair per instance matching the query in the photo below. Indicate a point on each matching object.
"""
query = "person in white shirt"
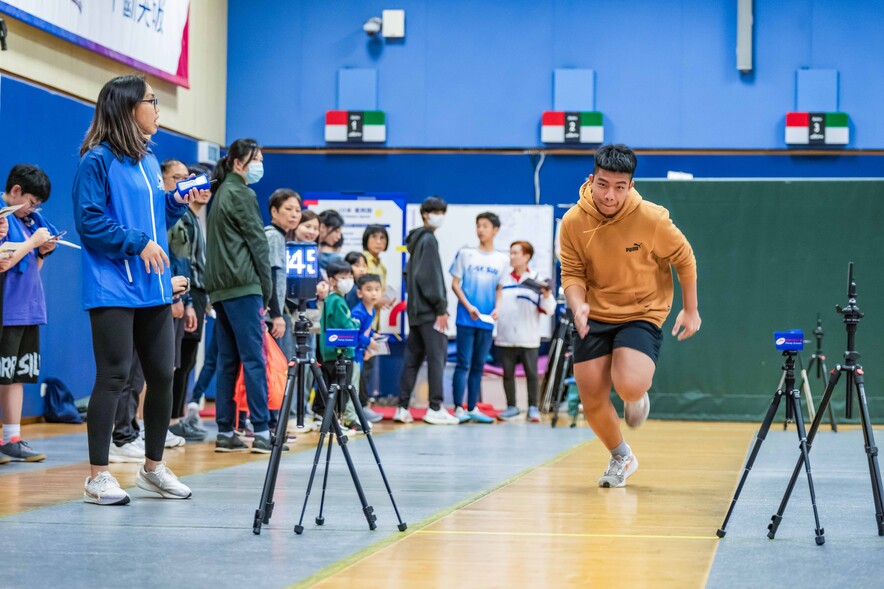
(525, 304)
(475, 279)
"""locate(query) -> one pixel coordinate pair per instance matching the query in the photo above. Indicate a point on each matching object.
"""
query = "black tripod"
(294, 387)
(818, 363)
(794, 401)
(851, 316)
(343, 387)
(559, 367)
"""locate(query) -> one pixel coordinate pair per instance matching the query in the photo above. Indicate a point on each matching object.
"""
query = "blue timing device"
(341, 338)
(301, 270)
(789, 341)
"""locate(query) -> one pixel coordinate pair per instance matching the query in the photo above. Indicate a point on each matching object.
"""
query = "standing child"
(524, 305)
(368, 289)
(24, 304)
(476, 274)
(335, 315)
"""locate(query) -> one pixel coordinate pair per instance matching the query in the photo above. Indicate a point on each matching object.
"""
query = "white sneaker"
(130, 452)
(440, 416)
(139, 442)
(619, 469)
(636, 413)
(163, 482)
(173, 441)
(403, 415)
(462, 414)
(104, 490)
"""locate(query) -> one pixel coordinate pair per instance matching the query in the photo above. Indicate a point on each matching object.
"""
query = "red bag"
(277, 368)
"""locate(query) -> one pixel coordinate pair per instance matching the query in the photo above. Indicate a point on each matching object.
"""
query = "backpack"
(59, 403)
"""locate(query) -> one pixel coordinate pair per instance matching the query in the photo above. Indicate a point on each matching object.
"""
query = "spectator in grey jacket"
(427, 316)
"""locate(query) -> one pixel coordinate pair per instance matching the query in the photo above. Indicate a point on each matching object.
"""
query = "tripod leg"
(759, 439)
(323, 431)
(822, 365)
(871, 451)
(795, 398)
(367, 509)
(552, 367)
(366, 427)
(827, 397)
(788, 418)
(265, 508)
(561, 388)
(320, 519)
(805, 385)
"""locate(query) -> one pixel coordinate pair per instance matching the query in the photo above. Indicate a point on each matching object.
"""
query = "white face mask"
(255, 172)
(345, 285)
(435, 220)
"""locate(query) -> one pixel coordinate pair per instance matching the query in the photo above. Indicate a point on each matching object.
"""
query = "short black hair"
(32, 180)
(337, 267)
(279, 196)
(331, 219)
(490, 217)
(353, 257)
(366, 278)
(374, 230)
(434, 204)
(615, 158)
(198, 168)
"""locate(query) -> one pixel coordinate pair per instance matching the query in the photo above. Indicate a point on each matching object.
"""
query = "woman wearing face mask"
(331, 228)
(239, 283)
(122, 214)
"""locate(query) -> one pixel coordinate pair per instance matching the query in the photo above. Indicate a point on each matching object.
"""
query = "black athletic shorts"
(20, 354)
(604, 337)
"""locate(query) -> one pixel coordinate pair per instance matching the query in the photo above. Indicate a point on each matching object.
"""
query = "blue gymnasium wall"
(474, 73)
(46, 129)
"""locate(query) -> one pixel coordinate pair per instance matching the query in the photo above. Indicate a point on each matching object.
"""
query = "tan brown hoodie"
(624, 261)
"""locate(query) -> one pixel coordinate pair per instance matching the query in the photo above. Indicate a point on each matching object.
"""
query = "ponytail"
(241, 149)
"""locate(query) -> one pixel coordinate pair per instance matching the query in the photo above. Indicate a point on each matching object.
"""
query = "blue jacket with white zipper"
(120, 205)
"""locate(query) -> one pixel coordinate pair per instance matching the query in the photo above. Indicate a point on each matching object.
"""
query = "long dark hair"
(241, 149)
(114, 119)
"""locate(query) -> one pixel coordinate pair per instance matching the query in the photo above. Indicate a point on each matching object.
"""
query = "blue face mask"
(255, 172)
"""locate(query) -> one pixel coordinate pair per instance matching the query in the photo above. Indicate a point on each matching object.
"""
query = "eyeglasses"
(154, 101)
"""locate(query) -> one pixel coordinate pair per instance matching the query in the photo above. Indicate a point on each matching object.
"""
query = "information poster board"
(360, 210)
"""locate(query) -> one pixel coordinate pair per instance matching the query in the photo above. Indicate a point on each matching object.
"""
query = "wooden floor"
(550, 527)
(555, 528)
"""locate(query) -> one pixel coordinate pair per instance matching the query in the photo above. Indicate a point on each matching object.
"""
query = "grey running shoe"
(509, 413)
(636, 413)
(533, 414)
(21, 452)
(371, 415)
(230, 444)
(619, 469)
(163, 482)
(104, 490)
(262, 445)
(186, 431)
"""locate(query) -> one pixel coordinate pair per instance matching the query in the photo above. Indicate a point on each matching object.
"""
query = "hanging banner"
(149, 35)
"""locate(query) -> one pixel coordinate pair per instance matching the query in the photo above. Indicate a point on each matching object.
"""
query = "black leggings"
(114, 330)
(189, 347)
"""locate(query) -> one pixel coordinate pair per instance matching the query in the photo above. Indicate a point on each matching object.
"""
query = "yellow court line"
(556, 535)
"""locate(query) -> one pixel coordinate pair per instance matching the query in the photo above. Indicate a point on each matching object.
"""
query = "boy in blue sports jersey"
(476, 275)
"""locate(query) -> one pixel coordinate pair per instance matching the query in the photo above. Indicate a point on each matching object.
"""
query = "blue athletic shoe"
(479, 417)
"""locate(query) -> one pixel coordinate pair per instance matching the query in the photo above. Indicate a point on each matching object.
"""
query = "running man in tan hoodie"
(616, 252)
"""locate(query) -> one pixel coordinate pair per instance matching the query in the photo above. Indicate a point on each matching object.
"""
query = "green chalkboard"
(770, 256)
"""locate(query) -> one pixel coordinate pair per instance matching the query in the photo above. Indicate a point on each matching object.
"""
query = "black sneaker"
(262, 445)
(21, 451)
(230, 444)
(186, 431)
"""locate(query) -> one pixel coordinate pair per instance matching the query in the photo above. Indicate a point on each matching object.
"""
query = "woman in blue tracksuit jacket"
(122, 213)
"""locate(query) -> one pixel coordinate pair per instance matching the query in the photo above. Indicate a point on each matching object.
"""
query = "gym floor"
(506, 505)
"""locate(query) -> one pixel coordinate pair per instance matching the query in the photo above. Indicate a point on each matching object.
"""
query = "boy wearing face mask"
(335, 315)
